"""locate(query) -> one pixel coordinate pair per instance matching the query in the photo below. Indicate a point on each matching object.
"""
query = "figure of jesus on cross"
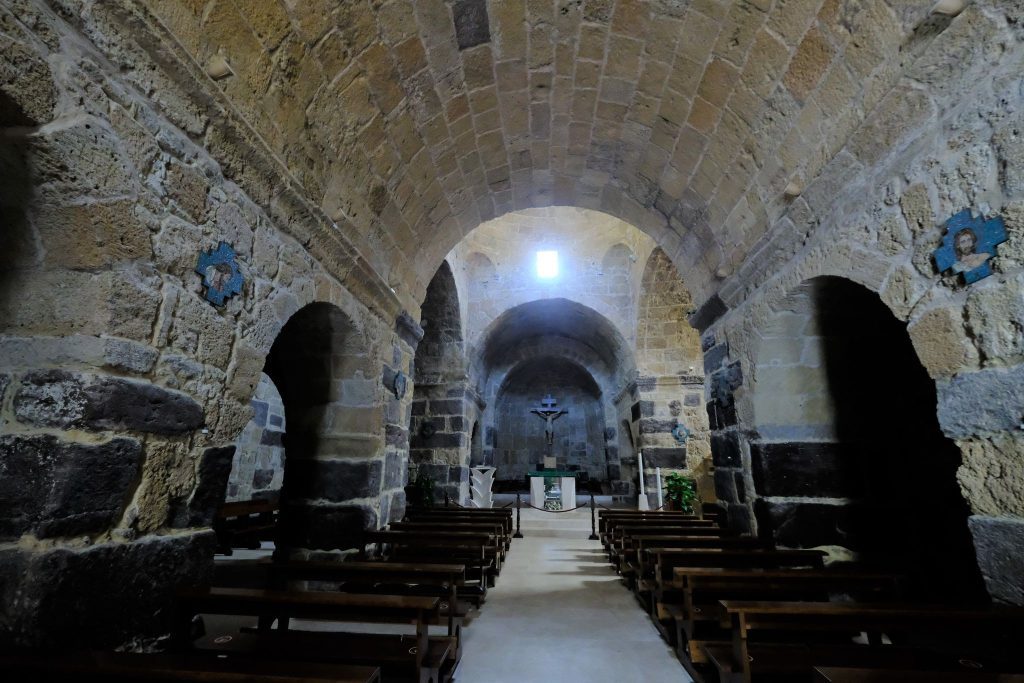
(549, 413)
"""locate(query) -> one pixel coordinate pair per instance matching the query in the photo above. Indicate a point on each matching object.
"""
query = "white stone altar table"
(566, 480)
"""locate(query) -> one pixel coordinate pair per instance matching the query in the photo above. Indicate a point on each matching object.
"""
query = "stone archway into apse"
(847, 449)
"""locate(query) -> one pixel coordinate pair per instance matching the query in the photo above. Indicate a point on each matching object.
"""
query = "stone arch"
(848, 449)
(332, 407)
(440, 352)
(579, 442)
(439, 426)
(671, 367)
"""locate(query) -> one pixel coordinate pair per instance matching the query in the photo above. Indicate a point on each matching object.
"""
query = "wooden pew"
(479, 552)
(657, 564)
(622, 536)
(244, 524)
(835, 675)
(698, 615)
(96, 667)
(390, 578)
(438, 515)
(616, 529)
(482, 526)
(923, 637)
(427, 658)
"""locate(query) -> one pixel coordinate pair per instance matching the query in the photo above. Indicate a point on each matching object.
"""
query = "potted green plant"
(680, 492)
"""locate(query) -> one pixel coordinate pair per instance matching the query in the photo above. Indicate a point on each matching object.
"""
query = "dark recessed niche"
(471, 25)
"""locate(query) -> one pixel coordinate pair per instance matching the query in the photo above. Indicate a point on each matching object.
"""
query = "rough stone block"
(999, 545)
(123, 354)
(710, 311)
(806, 469)
(472, 27)
(975, 403)
(738, 519)
(333, 480)
(725, 449)
(100, 596)
(665, 457)
(55, 488)
(725, 486)
(212, 476)
(259, 412)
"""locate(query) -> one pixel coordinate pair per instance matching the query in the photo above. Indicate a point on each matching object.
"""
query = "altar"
(553, 485)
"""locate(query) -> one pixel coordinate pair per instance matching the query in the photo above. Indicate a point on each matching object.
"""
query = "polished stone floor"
(559, 613)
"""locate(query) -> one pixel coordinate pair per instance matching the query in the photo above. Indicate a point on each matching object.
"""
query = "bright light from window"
(547, 264)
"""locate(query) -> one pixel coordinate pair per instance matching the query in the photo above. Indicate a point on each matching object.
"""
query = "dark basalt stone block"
(472, 27)
(447, 440)
(725, 449)
(333, 480)
(664, 457)
(259, 412)
(439, 473)
(614, 472)
(261, 479)
(707, 340)
(656, 426)
(714, 357)
(101, 596)
(446, 407)
(854, 526)
(457, 424)
(741, 487)
(812, 469)
(999, 545)
(121, 404)
(211, 483)
(646, 409)
(272, 438)
(738, 519)
(725, 486)
(710, 311)
(327, 527)
(55, 488)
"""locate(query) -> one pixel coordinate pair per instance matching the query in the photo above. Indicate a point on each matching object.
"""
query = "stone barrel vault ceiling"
(412, 121)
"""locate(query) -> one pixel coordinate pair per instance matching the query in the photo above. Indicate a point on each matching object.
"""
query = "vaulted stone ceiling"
(411, 121)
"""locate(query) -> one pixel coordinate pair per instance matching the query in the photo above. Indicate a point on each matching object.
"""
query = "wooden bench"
(90, 667)
(245, 524)
(479, 552)
(698, 616)
(834, 675)
(654, 574)
(389, 578)
(626, 544)
(437, 515)
(785, 640)
(427, 658)
(482, 526)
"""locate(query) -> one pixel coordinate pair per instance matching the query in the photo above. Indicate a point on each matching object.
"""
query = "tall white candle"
(640, 462)
(657, 478)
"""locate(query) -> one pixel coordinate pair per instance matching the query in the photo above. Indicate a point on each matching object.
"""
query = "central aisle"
(558, 613)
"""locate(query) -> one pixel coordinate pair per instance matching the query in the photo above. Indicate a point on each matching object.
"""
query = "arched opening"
(850, 451)
(572, 353)
(257, 468)
(332, 407)
(439, 436)
(578, 435)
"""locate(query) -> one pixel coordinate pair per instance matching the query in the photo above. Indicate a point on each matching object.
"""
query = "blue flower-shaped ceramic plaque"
(968, 245)
(220, 272)
(680, 433)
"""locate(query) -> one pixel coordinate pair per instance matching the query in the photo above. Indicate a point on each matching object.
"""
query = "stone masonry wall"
(947, 138)
(123, 390)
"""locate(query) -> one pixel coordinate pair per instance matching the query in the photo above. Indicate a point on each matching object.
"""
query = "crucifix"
(549, 413)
